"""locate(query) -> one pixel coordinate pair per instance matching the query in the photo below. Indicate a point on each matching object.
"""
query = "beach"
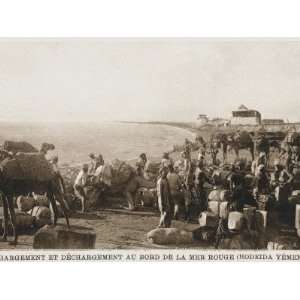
(74, 141)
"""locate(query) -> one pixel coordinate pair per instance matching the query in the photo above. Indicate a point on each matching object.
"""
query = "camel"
(219, 141)
(14, 181)
(239, 141)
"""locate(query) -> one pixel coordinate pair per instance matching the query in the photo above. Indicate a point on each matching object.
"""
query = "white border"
(155, 18)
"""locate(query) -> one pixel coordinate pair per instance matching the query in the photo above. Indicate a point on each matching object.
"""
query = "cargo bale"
(121, 172)
(24, 221)
(208, 219)
(61, 237)
(235, 220)
(169, 236)
(214, 195)
(25, 203)
(41, 200)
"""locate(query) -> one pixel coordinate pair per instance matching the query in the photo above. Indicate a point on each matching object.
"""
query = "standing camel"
(241, 140)
(13, 183)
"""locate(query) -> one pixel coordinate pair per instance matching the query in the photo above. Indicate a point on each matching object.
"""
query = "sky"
(147, 79)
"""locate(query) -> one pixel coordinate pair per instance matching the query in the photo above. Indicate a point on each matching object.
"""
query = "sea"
(74, 141)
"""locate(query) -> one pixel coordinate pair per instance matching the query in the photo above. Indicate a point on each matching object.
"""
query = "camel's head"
(46, 147)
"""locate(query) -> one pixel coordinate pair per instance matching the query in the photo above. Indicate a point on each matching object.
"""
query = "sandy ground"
(115, 229)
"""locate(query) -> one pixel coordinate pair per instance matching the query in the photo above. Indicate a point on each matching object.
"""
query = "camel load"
(121, 172)
(15, 147)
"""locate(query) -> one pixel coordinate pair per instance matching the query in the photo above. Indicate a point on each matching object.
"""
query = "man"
(262, 180)
(79, 184)
(261, 160)
(103, 174)
(166, 160)
(200, 178)
(201, 159)
(214, 153)
(93, 164)
(164, 199)
(279, 172)
(54, 163)
(142, 161)
(188, 186)
(282, 193)
(237, 184)
(175, 187)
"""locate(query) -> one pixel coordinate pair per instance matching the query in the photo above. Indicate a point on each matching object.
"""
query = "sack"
(24, 221)
(25, 203)
(41, 200)
(208, 219)
(121, 172)
(42, 215)
(235, 220)
(169, 236)
(214, 195)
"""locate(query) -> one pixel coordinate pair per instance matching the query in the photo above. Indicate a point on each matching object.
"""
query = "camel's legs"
(10, 202)
(5, 216)
(237, 153)
(64, 208)
(54, 207)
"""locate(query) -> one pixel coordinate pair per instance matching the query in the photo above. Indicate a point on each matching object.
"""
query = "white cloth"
(104, 173)
(81, 178)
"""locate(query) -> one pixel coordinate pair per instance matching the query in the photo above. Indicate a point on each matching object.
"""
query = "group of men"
(97, 173)
(252, 184)
(187, 182)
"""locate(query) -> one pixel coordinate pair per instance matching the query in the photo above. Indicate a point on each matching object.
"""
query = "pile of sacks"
(238, 229)
(32, 212)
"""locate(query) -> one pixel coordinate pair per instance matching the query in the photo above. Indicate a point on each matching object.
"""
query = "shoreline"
(182, 125)
(131, 161)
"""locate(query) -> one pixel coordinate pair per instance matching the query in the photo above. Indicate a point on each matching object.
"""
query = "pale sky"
(147, 80)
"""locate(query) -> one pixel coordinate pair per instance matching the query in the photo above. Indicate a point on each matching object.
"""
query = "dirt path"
(115, 229)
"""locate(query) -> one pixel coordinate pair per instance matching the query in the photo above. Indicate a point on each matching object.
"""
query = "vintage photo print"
(149, 149)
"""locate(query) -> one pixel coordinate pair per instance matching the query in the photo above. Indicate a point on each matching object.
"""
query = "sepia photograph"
(150, 144)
